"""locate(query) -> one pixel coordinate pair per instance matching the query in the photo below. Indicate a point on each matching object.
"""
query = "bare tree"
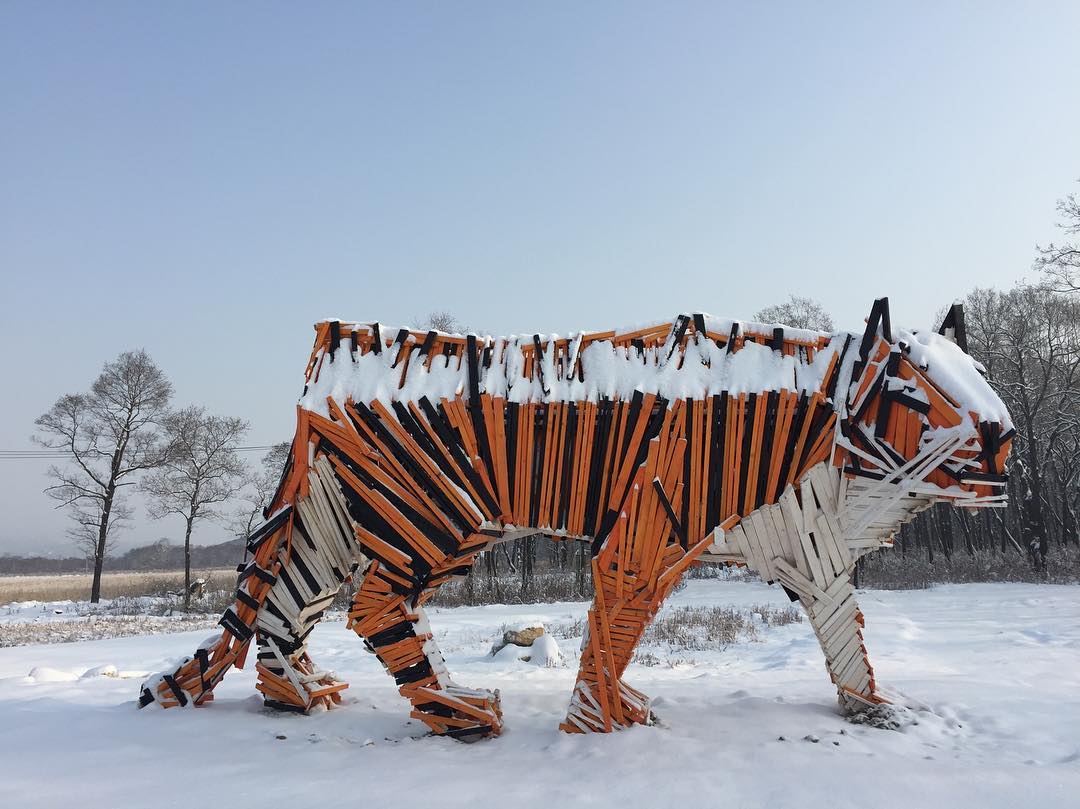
(798, 312)
(441, 320)
(203, 470)
(1029, 341)
(260, 485)
(111, 434)
(1061, 262)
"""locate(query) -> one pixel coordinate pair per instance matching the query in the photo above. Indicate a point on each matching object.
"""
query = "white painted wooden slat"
(305, 594)
(809, 506)
(754, 546)
(339, 504)
(760, 535)
(776, 544)
(751, 548)
(779, 527)
(861, 681)
(282, 599)
(838, 653)
(828, 529)
(840, 659)
(738, 536)
(826, 612)
(840, 587)
(316, 563)
(766, 535)
(797, 587)
(832, 611)
(330, 548)
(723, 557)
(316, 513)
(271, 623)
(856, 671)
(813, 561)
(320, 603)
(725, 545)
(835, 643)
(298, 582)
(802, 584)
(854, 667)
(826, 480)
(789, 507)
(861, 543)
(832, 561)
(314, 560)
(338, 536)
(844, 610)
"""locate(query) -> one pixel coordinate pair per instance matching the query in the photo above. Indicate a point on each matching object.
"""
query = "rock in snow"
(518, 637)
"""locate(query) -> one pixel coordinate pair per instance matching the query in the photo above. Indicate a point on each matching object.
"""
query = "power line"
(59, 455)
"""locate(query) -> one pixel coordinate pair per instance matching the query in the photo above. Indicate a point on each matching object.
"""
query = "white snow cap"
(956, 373)
(608, 370)
(617, 372)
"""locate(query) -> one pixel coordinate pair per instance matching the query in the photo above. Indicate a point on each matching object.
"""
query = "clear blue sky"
(181, 176)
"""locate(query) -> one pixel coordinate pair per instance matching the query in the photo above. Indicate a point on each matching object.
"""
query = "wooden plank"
(813, 561)
(756, 529)
(780, 528)
(757, 428)
(793, 519)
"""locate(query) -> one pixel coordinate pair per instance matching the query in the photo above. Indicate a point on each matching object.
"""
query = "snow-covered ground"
(992, 673)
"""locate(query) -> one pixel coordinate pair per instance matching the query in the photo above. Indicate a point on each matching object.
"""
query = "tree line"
(1028, 340)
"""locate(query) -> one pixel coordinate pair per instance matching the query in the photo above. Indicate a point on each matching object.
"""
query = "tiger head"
(920, 423)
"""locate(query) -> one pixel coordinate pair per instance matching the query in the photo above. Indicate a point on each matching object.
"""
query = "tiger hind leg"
(287, 677)
(193, 679)
(390, 619)
(301, 557)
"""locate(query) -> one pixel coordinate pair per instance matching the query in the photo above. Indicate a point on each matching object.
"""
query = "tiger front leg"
(395, 628)
(837, 621)
(799, 544)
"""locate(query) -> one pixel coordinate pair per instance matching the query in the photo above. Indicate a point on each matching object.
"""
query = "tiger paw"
(594, 712)
(461, 713)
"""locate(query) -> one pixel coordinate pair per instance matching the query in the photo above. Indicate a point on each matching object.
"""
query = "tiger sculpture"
(789, 451)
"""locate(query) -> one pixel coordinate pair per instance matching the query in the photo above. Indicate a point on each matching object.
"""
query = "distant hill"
(160, 555)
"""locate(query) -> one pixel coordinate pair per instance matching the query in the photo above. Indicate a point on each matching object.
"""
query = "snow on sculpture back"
(790, 451)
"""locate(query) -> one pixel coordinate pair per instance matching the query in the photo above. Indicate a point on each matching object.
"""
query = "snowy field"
(991, 673)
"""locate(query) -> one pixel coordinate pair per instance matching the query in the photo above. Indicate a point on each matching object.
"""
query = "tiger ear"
(879, 320)
(953, 326)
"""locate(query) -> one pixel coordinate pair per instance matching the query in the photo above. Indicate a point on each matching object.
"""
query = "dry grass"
(704, 628)
(693, 629)
(97, 627)
(76, 587)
